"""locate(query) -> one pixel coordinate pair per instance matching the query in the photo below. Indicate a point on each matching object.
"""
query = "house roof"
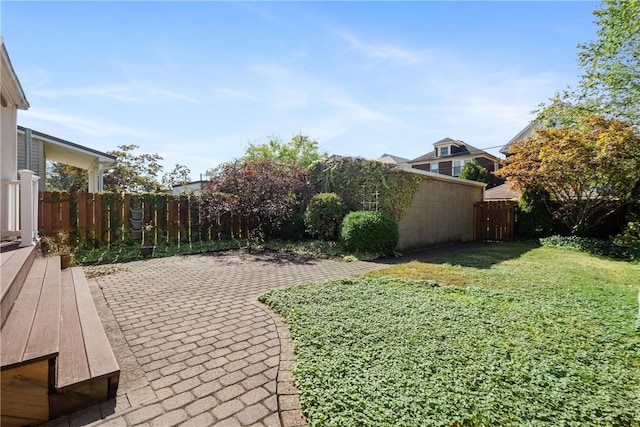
(522, 134)
(441, 177)
(394, 160)
(11, 92)
(68, 152)
(390, 158)
(461, 149)
(501, 192)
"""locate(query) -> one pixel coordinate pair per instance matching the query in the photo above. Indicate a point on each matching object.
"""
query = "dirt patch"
(102, 270)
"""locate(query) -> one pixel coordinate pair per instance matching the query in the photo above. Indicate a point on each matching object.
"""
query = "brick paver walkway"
(194, 345)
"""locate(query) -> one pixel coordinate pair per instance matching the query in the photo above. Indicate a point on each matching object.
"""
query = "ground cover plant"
(131, 251)
(508, 334)
(594, 246)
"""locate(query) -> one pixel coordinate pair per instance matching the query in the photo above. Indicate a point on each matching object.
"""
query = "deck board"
(102, 361)
(15, 266)
(73, 366)
(16, 330)
(45, 333)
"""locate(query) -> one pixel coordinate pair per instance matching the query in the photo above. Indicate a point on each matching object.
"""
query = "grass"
(508, 334)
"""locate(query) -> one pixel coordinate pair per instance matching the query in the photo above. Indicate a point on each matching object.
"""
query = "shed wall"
(441, 212)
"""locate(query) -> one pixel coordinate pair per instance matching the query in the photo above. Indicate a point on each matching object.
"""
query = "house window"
(458, 165)
(444, 151)
(433, 167)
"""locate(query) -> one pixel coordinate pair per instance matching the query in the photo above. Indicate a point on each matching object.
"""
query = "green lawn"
(509, 334)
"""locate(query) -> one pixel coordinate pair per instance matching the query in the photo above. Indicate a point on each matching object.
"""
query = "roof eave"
(10, 81)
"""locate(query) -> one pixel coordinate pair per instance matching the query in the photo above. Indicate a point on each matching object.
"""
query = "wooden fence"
(94, 220)
(494, 220)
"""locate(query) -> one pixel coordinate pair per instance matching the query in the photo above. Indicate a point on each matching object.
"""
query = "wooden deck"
(55, 355)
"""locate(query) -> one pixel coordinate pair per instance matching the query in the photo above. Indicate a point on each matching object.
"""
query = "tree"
(590, 171)
(133, 173)
(179, 175)
(610, 80)
(474, 172)
(265, 193)
(300, 151)
(62, 177)
(611, 63)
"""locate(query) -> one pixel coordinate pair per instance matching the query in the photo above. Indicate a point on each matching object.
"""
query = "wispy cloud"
(238, 94)
(134, 92)
(118, 92)
(87, 126)
(379, 52)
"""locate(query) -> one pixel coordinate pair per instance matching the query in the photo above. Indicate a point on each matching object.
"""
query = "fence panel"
(494, 220)
(95, 220)
(173, 220)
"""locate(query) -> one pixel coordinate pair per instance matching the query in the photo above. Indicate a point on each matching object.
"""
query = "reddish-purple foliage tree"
(267, 194)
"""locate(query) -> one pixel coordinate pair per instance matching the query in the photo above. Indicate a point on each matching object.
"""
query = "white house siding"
(37, 159)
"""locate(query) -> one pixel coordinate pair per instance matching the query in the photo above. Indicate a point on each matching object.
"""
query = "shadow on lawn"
(480, 255)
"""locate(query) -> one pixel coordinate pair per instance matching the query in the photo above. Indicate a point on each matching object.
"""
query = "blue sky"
(196, 81)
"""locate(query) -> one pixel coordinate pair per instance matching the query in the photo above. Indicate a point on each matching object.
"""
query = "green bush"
(630, 235)
(534, 220)
(323, 216)
(366, 231)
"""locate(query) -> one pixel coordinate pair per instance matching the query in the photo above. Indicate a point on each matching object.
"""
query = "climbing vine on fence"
(102, 219)
(357, 180)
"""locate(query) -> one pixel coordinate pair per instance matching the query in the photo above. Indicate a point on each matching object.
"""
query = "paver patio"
(194, 345)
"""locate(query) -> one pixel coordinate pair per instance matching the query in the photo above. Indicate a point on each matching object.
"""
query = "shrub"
(534, 220)
(323, 216)
(365, 231)
(265, 193)
(360, 182)
(593, 246)
(630, 235)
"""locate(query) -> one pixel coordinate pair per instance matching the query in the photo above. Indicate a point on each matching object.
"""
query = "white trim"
(12, 90)
(447, 178)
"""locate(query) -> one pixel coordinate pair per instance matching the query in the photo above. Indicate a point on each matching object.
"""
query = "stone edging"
(289, 408)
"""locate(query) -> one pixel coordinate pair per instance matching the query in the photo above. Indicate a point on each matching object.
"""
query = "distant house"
(501, 192)
(528, 131)
(188, 188)
(400, 162)
(35, 148)
(524, 133)
(449, 157)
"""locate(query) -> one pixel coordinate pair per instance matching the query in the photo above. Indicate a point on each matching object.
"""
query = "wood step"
(30, 345)
(55, 355)
(15, 265)
(32, 331)
(82, 333)
(87, 370)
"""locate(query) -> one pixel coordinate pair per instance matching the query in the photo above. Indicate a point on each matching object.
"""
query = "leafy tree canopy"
(61, 177)
(133, 173)
(300, 151)
(611, 62)
(591, 170)
(474, 172)
(610, 80)
(179, 175)
(266, 193)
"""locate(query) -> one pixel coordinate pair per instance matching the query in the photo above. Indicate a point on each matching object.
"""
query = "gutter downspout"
(28, 146)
